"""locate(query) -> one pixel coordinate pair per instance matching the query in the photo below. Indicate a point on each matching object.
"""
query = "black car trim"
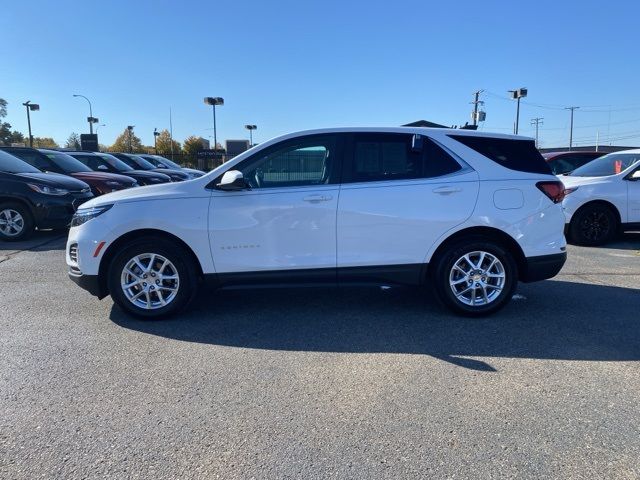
(543, 267)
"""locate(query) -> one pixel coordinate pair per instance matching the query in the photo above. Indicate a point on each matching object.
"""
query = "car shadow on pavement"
(41, 240)
(547, 320)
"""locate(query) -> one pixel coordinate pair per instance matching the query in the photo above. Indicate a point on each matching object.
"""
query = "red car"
(565, 162)
(59, 162)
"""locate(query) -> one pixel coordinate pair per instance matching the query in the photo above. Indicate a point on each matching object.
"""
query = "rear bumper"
(90, 283)
(543, 267)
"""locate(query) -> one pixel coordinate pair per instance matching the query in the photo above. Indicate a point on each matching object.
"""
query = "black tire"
(495, 299)
(27, 225)
(179, 259)
(593, 225)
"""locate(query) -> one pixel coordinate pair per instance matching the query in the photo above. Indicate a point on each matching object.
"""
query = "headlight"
(47, 190)
(83, 215)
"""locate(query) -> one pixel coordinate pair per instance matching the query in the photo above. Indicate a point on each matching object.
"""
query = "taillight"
(554, 190)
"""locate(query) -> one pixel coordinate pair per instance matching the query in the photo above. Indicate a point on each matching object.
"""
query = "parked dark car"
(565, 162)
(105, 162)
(162, 162)
(31, 199)
(139, 163)
(59, 162)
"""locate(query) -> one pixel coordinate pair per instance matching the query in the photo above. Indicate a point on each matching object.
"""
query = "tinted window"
(521, 155)
(11, 164)
(611, 164)
(305, 161)
(136, 161)
(568, 163)
(66, 162)
(35, 159)
(161, 161)
(389, 156)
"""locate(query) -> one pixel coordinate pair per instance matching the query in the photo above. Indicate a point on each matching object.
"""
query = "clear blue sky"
(295, 65)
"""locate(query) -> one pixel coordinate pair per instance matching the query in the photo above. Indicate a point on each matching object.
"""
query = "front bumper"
(543, 267)
(90, 283)
(56, 212)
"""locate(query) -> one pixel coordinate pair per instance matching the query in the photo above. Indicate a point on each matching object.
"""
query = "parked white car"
(470, 212)
(604, 198)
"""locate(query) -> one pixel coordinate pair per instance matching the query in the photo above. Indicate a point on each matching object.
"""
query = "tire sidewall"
(576, 231)
(453, 254)
(175, 254)
(28, 228)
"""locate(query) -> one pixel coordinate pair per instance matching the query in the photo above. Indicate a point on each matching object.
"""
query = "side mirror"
(635, 175)
(102, 167)
(232, 180)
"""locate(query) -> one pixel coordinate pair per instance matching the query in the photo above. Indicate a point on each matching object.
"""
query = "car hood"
(570, 181)
(148, 192)
(194, 171)
(147, 174)
(172, 173)
(103, 177)
(56, 180)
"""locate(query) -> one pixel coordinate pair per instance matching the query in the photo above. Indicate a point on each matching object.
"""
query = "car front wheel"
(593, 225)
(475, 277)
(152, 279)
(15, 222)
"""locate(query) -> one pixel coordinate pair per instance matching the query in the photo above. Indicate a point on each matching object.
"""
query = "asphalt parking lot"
(353, 383)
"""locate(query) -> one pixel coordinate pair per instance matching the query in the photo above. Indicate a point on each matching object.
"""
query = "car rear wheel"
(475, 277)
(15, 222)
(593, 225)
(152, 279)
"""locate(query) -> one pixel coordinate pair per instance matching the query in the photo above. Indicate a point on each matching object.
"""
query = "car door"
(286, 220)
(399, 194)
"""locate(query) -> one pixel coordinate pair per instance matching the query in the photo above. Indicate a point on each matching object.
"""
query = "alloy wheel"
(11, 222)
(150, 281)
(595, 225)
(477, 278)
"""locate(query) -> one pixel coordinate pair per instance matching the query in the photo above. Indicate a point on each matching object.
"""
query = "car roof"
(419, 130)
(549, 155)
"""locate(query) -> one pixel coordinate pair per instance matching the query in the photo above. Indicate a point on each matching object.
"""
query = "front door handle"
(317, 198)
(446, 190)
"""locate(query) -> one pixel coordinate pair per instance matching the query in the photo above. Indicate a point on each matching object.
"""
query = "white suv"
(473, 213)
(605, 198)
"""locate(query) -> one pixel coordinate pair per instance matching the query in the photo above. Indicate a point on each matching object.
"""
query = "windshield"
(139, 162)
(114, 162)
(66, 162)
(611, 164)
(166, 161)
(11, 164)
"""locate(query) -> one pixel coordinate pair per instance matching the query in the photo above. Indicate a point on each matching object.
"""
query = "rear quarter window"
(520, 155)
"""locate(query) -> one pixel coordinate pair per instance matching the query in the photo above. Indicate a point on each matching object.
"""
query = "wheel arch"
(21, 201)
(602, 202)
(488, 233)
(152, 233)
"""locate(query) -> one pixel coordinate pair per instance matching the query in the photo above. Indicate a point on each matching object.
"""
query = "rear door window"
(521, 155)
(390, 156)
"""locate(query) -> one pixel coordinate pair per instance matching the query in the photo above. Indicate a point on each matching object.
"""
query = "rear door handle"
(447, 190)
(317, 198)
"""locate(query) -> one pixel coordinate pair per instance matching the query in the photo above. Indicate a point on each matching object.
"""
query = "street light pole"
(251, 128)
(130, 130)
(90, 119)
(30, 106)
(213, 101)
(155, 140)
(517, 95)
